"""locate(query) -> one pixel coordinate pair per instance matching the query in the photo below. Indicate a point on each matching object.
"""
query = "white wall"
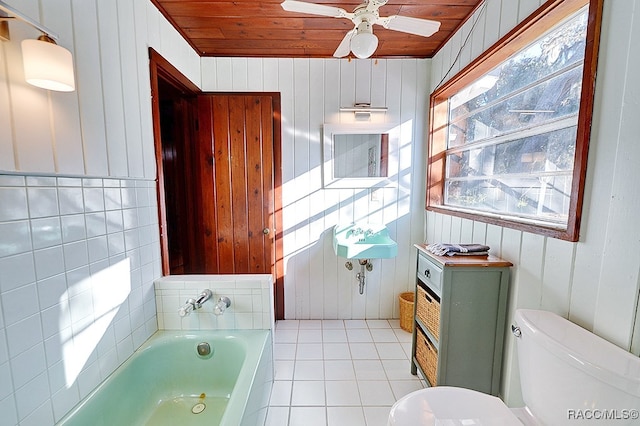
(104, 128)
(79, 243)
(594, 282)
(317, 285)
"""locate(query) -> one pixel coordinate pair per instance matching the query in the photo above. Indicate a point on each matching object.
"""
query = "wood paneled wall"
(317, 285)
(594, 282)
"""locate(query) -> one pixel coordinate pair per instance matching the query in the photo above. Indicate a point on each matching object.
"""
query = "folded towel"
(441, 249)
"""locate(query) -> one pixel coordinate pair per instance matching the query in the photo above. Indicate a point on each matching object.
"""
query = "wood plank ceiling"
(249, 28)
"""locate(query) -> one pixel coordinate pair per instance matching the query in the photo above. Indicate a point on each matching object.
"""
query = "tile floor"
(339, 372)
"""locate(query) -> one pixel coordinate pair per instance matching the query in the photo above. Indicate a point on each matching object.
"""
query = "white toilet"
(568, 375)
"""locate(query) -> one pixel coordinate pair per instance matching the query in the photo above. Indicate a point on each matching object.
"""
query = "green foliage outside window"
(512, 133)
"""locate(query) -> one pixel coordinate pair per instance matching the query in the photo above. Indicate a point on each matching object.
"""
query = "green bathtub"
(167, 382)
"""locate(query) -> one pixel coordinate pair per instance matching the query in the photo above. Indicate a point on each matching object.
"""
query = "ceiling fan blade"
(313, 9)
(417, 26)
(344, 48)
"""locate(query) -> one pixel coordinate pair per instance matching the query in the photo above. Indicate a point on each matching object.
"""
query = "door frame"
(161, 68)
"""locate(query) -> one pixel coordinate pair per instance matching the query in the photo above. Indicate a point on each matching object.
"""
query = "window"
(509, 134)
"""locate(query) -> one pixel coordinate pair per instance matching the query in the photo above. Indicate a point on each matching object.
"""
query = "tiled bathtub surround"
(251, 302)
(78, 257)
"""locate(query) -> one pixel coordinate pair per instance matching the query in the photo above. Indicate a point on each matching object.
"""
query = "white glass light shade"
(48, 65)
(363, 44)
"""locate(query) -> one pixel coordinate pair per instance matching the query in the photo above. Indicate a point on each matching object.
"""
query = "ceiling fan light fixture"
(364, 42)
(360, 40)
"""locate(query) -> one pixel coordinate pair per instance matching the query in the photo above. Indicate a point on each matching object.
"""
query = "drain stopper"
(198, 408)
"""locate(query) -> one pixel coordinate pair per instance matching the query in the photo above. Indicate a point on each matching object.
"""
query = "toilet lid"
(449, 406)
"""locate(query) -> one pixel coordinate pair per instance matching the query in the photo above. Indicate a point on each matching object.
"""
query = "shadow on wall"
(317, 284)
(320, 286)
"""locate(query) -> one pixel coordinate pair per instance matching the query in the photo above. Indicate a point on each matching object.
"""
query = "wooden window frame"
(539, 22)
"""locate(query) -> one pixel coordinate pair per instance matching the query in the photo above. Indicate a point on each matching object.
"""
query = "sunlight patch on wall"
(405, 161)
(105, 291)
(310, 211)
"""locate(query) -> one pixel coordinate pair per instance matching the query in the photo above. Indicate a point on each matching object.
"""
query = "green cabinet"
(460, 312)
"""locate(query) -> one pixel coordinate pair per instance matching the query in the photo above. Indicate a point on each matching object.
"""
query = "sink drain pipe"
(360, 276)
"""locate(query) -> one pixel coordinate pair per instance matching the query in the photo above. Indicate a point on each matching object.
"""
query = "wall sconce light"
(46, 64)
(362, 111)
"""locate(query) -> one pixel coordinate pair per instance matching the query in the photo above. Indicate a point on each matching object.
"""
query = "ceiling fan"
(361, 40)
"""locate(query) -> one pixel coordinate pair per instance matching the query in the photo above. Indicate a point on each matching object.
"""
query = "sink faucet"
(355, 232)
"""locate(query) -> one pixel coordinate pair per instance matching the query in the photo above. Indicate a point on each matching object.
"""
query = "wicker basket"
(428, 311)
(406, 311)
(427, 357)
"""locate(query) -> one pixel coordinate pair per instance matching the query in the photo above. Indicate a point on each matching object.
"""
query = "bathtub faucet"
(193, 304)
(204, 296)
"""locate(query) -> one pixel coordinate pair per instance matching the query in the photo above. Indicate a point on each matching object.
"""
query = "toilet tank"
(571, 376)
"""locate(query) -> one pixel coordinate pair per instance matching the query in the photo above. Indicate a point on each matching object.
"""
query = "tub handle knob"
(187, 308)
(223, 303)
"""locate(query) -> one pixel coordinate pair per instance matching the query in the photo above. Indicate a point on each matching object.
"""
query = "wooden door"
(236, 171)
(228, 179)
(177, 118)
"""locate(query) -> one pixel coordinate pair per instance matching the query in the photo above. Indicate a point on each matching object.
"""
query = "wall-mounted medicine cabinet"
(357, 155)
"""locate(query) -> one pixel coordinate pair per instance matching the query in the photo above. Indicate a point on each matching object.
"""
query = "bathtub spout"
(204, 296)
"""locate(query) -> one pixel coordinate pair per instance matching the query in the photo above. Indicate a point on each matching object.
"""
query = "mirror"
(359, 156)
(356, 155)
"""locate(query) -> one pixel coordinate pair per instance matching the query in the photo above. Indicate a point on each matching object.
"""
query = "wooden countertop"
(466, 260)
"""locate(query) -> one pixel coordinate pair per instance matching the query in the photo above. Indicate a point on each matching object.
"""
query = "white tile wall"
(251, 298)
(63, 240)
(78, 257)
